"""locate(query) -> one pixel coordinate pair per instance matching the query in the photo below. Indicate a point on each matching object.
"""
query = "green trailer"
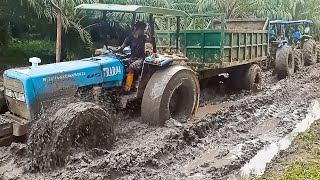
(213, 44)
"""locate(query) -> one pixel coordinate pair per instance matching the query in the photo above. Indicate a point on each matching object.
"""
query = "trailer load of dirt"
(214, 146)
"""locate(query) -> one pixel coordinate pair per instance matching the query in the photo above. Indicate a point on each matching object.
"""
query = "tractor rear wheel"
(309, 52)
(284, 64)
(80, 125)
(170, 93)
(252, 78)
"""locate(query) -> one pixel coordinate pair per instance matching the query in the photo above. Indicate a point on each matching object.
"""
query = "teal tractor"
(165, 88)
(301, 37)
(292, 46)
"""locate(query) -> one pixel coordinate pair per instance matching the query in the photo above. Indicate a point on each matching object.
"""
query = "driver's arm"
(125, 44)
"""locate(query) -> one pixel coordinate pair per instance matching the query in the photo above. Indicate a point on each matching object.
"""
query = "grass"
(302, 162)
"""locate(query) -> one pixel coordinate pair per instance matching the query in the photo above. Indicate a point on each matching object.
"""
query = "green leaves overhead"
(273, 9)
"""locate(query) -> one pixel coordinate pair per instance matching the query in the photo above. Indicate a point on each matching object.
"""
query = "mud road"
(228, 132)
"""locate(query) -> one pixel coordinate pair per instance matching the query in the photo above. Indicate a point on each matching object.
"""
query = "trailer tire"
(172, 92)
(81, 125)
(284, 65)
(309, 52)
(252, 78)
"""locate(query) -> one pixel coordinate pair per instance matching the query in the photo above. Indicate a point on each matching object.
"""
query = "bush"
(24, 49)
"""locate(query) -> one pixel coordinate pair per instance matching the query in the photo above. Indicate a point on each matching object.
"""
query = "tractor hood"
(54, 78)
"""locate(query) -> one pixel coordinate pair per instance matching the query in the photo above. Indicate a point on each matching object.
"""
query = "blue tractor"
(292, 46)
(301, 38)
(165, 87)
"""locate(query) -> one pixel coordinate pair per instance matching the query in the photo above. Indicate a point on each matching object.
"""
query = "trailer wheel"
(309, 52)
(170, 93)
(252, 78)
(298, 60)
(80, 125)
(284, 62)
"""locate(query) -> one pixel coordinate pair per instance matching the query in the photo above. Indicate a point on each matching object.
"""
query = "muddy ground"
(300, 161)
(214, 146)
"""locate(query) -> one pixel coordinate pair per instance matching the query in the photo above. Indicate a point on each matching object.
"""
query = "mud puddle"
(203, 111)
(257, 165)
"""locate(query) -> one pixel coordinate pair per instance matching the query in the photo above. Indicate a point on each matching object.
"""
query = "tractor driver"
(136, 41)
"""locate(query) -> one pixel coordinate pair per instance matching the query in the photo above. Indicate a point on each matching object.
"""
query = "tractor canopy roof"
(278, 22)
(131, 9)
(300, 22)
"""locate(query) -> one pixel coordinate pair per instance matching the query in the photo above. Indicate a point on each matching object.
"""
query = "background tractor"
(292, 46)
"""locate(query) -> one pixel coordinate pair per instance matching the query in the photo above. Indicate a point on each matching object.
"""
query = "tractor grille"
(13, 84)
(17, 107)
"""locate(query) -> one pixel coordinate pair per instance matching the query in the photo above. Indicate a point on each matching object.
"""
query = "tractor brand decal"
(62, 77)
(112, 71)
(94, 75)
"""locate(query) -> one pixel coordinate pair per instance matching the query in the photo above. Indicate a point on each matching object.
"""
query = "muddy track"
(214, 146)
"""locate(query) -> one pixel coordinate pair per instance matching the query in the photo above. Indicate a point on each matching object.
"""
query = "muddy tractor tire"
(284, 64)
(80, 125)
(318, 52)
(298, 60)
(309, 52)
(170, 93)
(252, 78)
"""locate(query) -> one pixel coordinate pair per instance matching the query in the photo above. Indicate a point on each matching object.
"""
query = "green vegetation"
(36, 19)
(302, 160)
(28, 48)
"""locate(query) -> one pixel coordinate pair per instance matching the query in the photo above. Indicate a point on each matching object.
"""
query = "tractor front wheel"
(309, 52)
(81, 125)
(172, 92)
(298, 60)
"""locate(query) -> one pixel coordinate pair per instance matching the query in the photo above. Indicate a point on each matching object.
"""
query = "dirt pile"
(214, 146)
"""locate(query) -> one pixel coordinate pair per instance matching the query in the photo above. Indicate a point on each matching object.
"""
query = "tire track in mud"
(226, 136)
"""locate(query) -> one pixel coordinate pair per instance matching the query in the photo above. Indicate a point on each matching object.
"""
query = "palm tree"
(70, 18)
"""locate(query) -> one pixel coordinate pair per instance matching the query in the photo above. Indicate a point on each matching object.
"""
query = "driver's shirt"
(137, 45)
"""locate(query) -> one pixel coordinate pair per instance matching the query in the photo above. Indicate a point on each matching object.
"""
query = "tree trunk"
(59, 32)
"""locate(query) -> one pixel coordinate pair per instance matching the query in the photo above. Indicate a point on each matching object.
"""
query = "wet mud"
(217, 143)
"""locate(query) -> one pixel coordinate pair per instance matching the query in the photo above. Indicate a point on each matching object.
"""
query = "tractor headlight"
(15, 95)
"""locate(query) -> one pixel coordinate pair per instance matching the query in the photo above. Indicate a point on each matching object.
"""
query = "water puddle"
(216, 158)
(257, 164)
(266, 127)
(203, 111)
